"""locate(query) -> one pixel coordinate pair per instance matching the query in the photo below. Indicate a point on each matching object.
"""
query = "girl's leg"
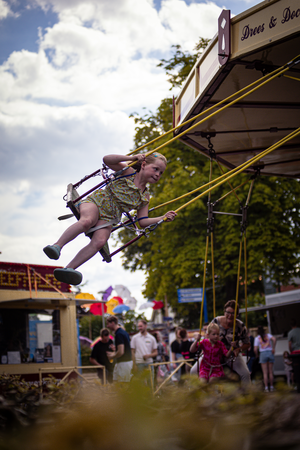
(271, 377)
(264, 368)
(89, 216)
(96, 243)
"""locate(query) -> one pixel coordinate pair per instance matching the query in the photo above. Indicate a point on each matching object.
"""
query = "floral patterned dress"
(211, 362)
(120, 195)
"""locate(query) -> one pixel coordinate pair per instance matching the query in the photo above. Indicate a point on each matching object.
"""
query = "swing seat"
(72, 195)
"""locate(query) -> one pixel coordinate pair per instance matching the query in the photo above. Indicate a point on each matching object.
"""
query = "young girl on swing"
(104, 208)
(213, 349)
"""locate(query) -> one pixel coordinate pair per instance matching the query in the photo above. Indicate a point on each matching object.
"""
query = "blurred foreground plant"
(219, 416)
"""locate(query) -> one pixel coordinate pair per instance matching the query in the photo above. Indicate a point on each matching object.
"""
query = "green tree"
(173, 255)
(90, 326)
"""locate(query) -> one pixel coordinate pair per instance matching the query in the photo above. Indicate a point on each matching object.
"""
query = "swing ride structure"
(239, 107)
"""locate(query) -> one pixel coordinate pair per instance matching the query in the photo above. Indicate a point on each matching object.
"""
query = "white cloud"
(5, 10)
(187, 23)
(66, 106)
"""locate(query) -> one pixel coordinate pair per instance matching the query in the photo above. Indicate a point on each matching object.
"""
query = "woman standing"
(265, 344)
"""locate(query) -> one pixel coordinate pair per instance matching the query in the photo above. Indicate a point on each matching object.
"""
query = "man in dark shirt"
(99, 356)
(122, 355)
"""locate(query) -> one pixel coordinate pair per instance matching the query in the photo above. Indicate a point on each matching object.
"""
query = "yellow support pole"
(246, 280)
(222, 179)
(204, 278)
(213, 272)
(237, 289)
(243, 166)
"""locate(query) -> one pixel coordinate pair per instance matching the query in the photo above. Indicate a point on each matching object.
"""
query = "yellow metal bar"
(249, 193)
(231, 173)
(246, 280)
(243, 166)
(231, 192)
(237, 290)
(233, 102)
(292, 78)
(204, 278)
(232, 189)
(210, 109)
(213, 273)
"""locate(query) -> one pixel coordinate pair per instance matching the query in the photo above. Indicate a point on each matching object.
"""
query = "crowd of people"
(221, 343)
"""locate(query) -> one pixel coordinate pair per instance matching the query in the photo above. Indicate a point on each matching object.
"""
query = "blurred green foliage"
(196, 416)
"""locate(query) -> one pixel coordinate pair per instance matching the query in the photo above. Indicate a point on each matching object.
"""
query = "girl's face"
(285, 355)
(214, 335)
(152, 172)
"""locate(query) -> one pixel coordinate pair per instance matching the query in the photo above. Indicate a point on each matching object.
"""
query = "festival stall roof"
(34, 284)
(246, 48)
(277, 300)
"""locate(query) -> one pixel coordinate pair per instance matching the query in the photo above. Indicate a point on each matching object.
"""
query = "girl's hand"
(236, 351)
(170, 215)
(140, 157)
(197, 337)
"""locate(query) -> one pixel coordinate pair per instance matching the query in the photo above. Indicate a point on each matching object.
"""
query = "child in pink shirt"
(213, 350)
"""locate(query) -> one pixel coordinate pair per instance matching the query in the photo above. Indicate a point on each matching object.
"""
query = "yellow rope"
(204, 277)
(246, 280)
(213, 272)
(231, 192)
(209, 109)
(236, 170)
(237, 291)
(243, 166)
(216, 112)
(221, 169)
(292, 78)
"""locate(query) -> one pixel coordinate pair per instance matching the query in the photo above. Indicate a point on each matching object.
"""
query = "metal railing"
(180, 363)
(70, 370)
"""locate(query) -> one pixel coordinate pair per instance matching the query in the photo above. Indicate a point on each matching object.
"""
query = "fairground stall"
(37, 322)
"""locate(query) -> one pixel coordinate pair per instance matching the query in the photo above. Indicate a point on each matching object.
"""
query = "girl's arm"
(145, 221)
(195, 345)
(117, 162)
(274, 343)
(228, 353)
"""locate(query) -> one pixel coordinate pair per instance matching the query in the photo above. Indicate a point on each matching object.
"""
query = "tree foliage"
(173, 255)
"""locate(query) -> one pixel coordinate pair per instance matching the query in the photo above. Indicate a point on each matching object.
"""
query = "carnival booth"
(37, 321)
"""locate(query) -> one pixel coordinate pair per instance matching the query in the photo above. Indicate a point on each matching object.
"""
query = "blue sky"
(71, 72)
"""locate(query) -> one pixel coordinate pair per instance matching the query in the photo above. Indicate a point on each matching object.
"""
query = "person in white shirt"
(264, 344)
(143, 348)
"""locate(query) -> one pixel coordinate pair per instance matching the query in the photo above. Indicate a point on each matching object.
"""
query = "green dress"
(120, 195)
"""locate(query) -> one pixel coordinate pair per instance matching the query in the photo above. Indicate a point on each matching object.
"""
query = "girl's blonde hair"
(150, 159)
(212, 326)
